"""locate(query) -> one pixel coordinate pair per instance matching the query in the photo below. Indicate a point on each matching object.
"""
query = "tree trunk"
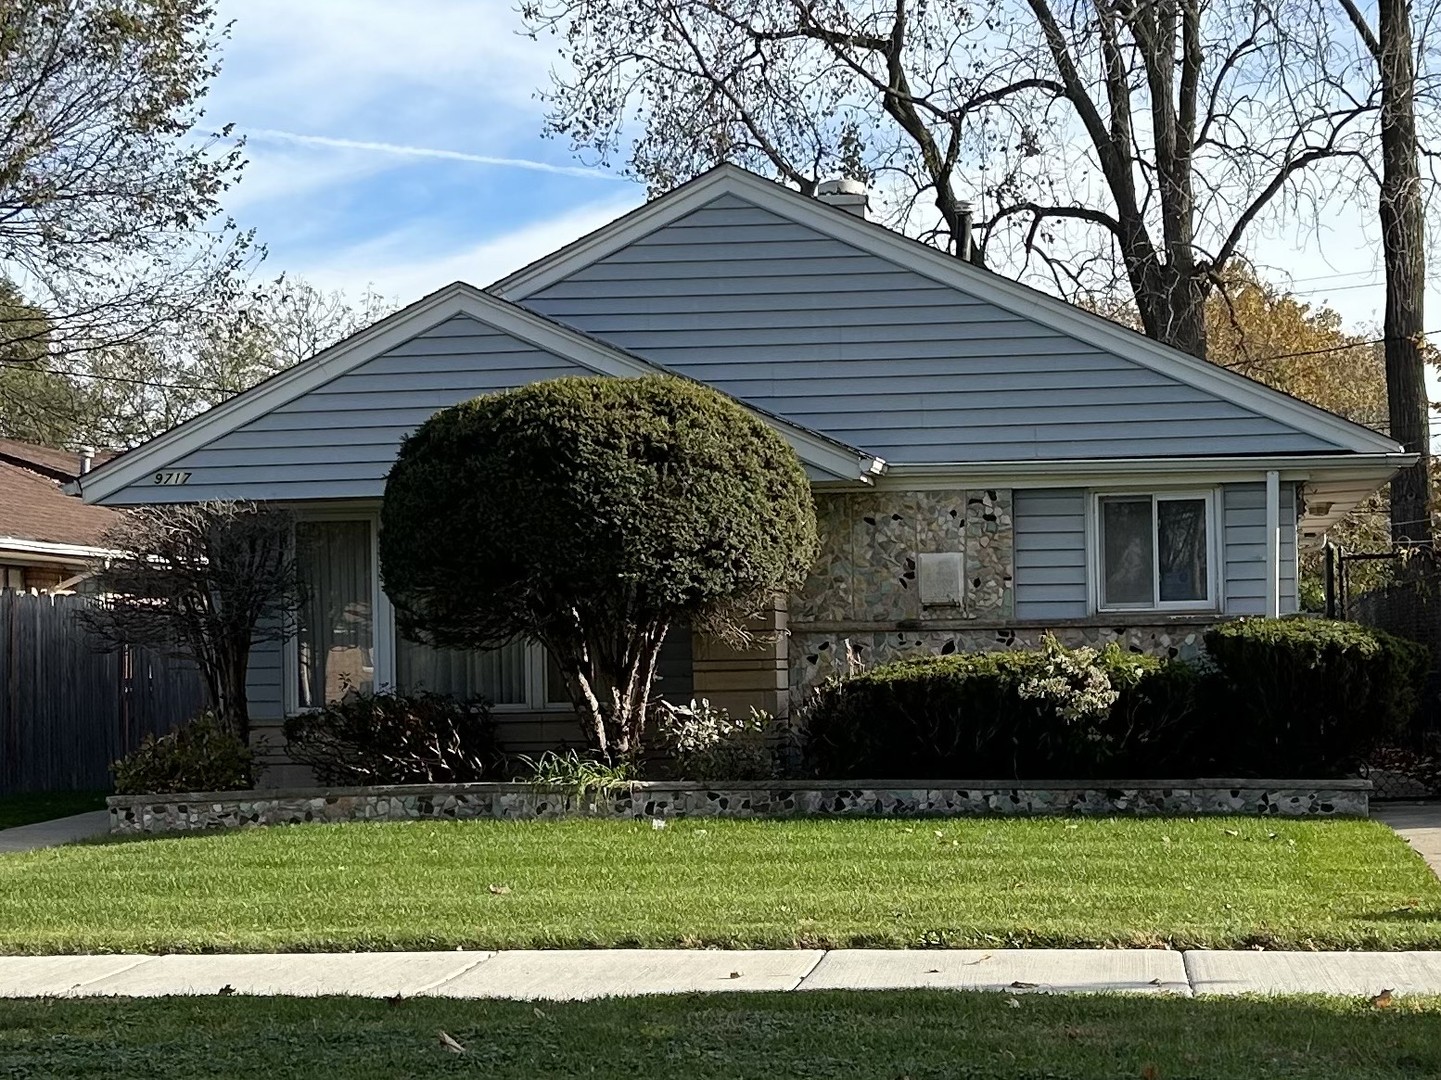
(231, 706)
(1403, 226)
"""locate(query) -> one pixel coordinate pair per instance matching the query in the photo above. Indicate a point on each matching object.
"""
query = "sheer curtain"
(336, 635)
(498, 675)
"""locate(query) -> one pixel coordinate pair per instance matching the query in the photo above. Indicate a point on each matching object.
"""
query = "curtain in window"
(1126, 545)
(498, 675)
(336, 635)
(1181, 548)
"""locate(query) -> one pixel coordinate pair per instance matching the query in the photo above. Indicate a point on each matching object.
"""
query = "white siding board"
(777, 314)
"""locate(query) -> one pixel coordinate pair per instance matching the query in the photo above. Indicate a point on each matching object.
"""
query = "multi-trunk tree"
(593, 515)
(201, 580)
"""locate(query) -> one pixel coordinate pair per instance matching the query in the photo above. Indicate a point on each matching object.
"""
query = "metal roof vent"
(847, 194)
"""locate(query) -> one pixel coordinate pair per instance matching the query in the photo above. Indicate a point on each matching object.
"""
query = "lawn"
(24, 809)
(918, 1034)
(1209, 882)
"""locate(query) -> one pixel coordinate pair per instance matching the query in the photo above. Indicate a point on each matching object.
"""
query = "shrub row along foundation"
(172, 813)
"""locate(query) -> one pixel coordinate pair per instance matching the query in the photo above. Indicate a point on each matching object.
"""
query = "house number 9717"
(172, 477)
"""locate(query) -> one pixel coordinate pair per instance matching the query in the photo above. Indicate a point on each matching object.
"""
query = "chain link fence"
(1406, 603)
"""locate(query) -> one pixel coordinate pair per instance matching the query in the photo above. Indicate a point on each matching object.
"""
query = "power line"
(131, 379)
(1318, 352)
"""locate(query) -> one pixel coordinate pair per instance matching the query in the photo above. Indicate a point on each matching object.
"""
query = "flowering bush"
(708, 744)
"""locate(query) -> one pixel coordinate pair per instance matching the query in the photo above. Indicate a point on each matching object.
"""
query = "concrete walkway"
(568, 976)
(63, 830)
(1419, 824)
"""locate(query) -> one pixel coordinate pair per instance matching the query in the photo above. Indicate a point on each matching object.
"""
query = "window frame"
(1096, 555)
(383, 617)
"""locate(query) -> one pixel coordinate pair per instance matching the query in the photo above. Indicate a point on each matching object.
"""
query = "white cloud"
(393, 266)
(397, 150)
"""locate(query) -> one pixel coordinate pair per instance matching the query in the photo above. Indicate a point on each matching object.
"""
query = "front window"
(1155, 551)
(498, 675)
(335, 638)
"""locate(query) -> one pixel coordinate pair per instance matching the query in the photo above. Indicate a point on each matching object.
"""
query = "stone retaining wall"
(206, 810)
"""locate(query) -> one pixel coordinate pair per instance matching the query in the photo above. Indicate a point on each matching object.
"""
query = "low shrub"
(1050, 713)
(577, 774)
(202, 755)
(391, 738)
(1306, 696)
(708, 744)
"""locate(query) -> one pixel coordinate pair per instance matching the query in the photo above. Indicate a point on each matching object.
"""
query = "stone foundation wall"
(137, 814)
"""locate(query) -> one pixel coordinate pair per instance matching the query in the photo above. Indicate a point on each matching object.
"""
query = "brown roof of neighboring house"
(32, 506)
(60, 464)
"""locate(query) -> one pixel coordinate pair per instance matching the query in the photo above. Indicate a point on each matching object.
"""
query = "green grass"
(923, 1035)
(1210, 882)
(24, 809)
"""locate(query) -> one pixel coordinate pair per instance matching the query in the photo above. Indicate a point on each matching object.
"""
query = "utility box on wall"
(939, 577)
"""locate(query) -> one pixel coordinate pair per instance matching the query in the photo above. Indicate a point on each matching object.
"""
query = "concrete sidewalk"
(575, 975)
(1418, 823)
(65, 830)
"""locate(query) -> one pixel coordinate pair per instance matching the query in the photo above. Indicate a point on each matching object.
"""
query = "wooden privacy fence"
(67, 710)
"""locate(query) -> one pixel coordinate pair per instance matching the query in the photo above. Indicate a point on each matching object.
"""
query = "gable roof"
(1010, 296)
(820, 452)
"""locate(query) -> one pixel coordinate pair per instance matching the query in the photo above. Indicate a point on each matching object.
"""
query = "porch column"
(739, 679)
(1273, 543)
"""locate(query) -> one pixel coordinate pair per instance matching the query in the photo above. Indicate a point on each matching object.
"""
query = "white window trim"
(1095, 559)
(383, 614)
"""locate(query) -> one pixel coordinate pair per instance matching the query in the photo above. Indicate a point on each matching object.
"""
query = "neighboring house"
(47, 538)
(989, 463)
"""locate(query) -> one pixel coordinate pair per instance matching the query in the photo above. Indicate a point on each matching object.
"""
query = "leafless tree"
(1129, 143)
(204, 580)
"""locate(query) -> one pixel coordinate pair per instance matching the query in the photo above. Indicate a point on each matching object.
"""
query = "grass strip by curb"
(923, 1035)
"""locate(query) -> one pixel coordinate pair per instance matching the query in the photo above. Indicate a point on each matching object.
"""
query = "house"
(47, 538)
(989, 463)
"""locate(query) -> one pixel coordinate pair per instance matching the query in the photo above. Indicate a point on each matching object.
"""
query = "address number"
(171, 478)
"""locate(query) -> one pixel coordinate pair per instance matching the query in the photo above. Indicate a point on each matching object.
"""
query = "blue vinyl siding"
(881, 357)
(1244, 519)
(1050, 539)
(340, 440)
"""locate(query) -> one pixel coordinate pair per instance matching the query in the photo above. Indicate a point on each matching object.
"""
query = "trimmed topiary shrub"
(592, 515)
(200, 756)
(1306, 696)
(1049, 713)
(390, 738)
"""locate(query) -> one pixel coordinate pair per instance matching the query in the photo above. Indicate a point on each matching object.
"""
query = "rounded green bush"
(1309, 696)
(647, 495)
(202, 755)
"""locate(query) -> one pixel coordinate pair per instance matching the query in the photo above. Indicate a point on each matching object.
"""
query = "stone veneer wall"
(134, 814)
(866, 571)
(861, 606)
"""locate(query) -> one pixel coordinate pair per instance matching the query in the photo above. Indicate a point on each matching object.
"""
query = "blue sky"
(374, 127)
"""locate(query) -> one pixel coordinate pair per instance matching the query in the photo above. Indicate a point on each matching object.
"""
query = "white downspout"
(1273, 543)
